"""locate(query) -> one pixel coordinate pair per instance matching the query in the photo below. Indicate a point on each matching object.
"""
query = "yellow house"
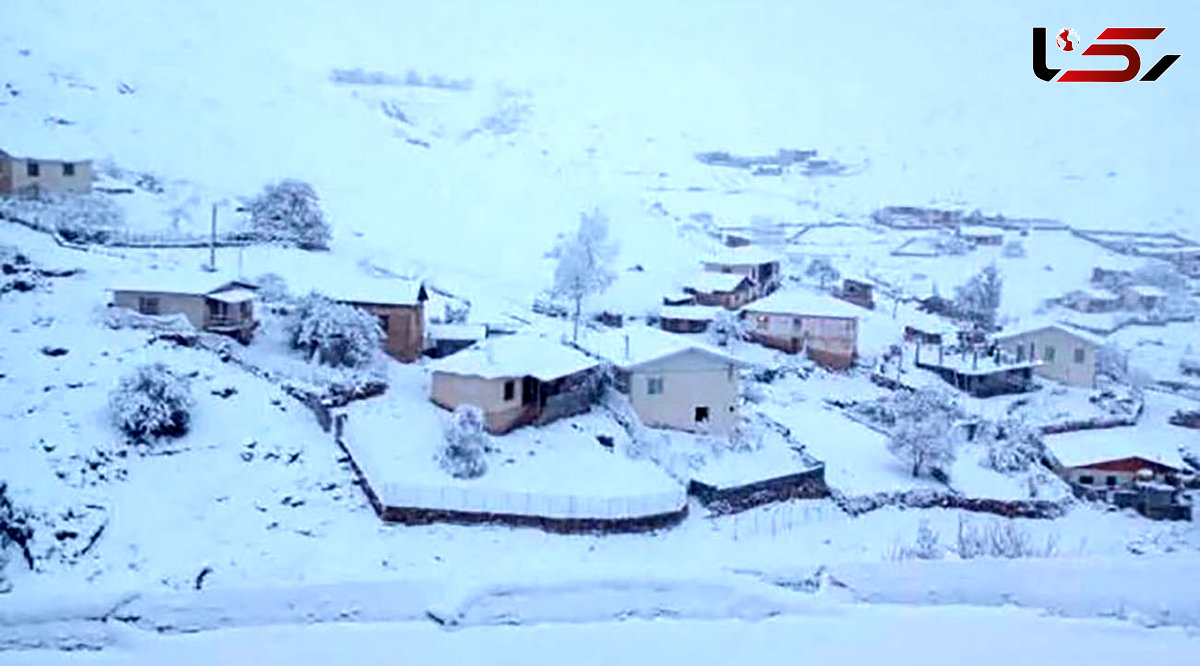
(516, 380)
(210, 304)
(671, 381)
(1067, 354)
(38, 175)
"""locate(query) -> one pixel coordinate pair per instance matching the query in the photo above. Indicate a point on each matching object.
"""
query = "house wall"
(406, 329)
(450, 390)
(50, 178)
(830, 341)
(692, 379)
(730, 300)
(683, 325)
(1062, 368)
(752, 271)
(192, 306)
(1100, 476)
(5, 175)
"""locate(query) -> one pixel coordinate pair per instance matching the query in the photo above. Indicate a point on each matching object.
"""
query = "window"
(383, 323)
(761, 321)
(701, 414)
(148, 305)
(1020, 353)
(1087, 480)
(510, 389)
(68, 169)
(654, 385)
(1048, 354)
(32, 170)
(1110, 481)
(797, 322)
(1079, 354)
(1032, 349)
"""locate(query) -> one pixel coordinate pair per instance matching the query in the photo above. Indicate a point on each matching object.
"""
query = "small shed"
(216, 304)
(686, 318)
(858, 291)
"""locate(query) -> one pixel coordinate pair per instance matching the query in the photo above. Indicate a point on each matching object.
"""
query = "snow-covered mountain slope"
(573, 107)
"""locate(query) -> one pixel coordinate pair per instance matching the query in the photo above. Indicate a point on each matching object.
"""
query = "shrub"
(1000, 538)
(289, 212)
(152, 402)
(1012, 445)
(334, 334)
(462, 452)
(15, 533)
(921, 434)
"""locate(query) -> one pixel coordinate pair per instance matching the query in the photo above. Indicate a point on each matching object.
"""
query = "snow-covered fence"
(532, 505)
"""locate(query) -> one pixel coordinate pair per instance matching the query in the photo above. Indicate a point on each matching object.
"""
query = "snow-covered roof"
(710, 282)
(1096, 293)
(1033, 327)
(742, 256)
(804, 302)
(238, 295)
(372, 290)
(633, 346)
(689, 312)
(982, 230)
(516, 355)
(1089, 447)
(173, 282)
(926, 322)
(1146, 290)
(457, 331)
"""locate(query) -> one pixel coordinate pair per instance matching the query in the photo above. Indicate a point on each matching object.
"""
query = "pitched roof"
(742, 256)
(237, 295)
(171, 282)
(1091, 447)
(376, 291)
(1146, 290)
(518, 355)
(711, 282)
(804, 302)
(1042, 325)
(634, 346)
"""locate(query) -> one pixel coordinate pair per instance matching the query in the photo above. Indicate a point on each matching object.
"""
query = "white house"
(1067, 354)
(671, 381)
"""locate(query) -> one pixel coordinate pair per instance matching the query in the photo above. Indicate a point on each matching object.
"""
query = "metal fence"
(477, 500)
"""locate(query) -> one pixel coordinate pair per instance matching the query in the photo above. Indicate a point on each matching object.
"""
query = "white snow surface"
(519, 355)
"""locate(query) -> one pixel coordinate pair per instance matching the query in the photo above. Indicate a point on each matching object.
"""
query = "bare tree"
(584, 262)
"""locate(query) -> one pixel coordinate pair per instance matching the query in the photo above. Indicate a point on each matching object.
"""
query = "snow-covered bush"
(464, 442)
(1013, 249)
(584, 262)
(1012, 445)
(152, 402)
(726, 327)
(272, 288)
(122, 318)
(288, 212)
(333, 333)
(78, 218)
(821, 269)
(979, 298)
(921, 435)
(1000, 538)
(16, 531)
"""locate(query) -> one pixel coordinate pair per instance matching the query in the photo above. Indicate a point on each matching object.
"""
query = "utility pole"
(212, 243)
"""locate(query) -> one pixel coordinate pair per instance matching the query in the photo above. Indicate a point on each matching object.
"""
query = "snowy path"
(849, 635)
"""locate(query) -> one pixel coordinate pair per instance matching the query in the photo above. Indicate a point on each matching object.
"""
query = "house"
(982, 235)
(679, 298)
(36, 175)
(1142, 297)
(399, 305)
(516, 380)
(446, 339)
(760, 266)
(1067, 354)
(726, 290)
(1092, 300)
(857, 291)
(686, 318)
(825, 328)
(1130, 471)
(210, 304)
(671, 381)
(979, 375)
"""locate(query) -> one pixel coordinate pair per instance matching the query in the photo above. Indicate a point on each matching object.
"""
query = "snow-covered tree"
(1012, 445)
(921, 434)
(927, 546)
(289, 212)
(584, 262)
(979, 298)
(821, 269)
(726, 327)
(333, 333)
(151, 402)
(1013, 249)
(272, 288)
(464, 442)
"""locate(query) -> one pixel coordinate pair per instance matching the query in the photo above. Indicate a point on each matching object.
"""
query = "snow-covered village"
(653, 333)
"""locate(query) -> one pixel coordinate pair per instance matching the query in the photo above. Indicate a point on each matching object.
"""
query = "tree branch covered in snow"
(1012, 445)
(584, 262)
(822, 270)
(334, 334)
(462, 451)
(289, 212)
(726, 328)
(979, 298)
(152, 402)
(921, 434)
